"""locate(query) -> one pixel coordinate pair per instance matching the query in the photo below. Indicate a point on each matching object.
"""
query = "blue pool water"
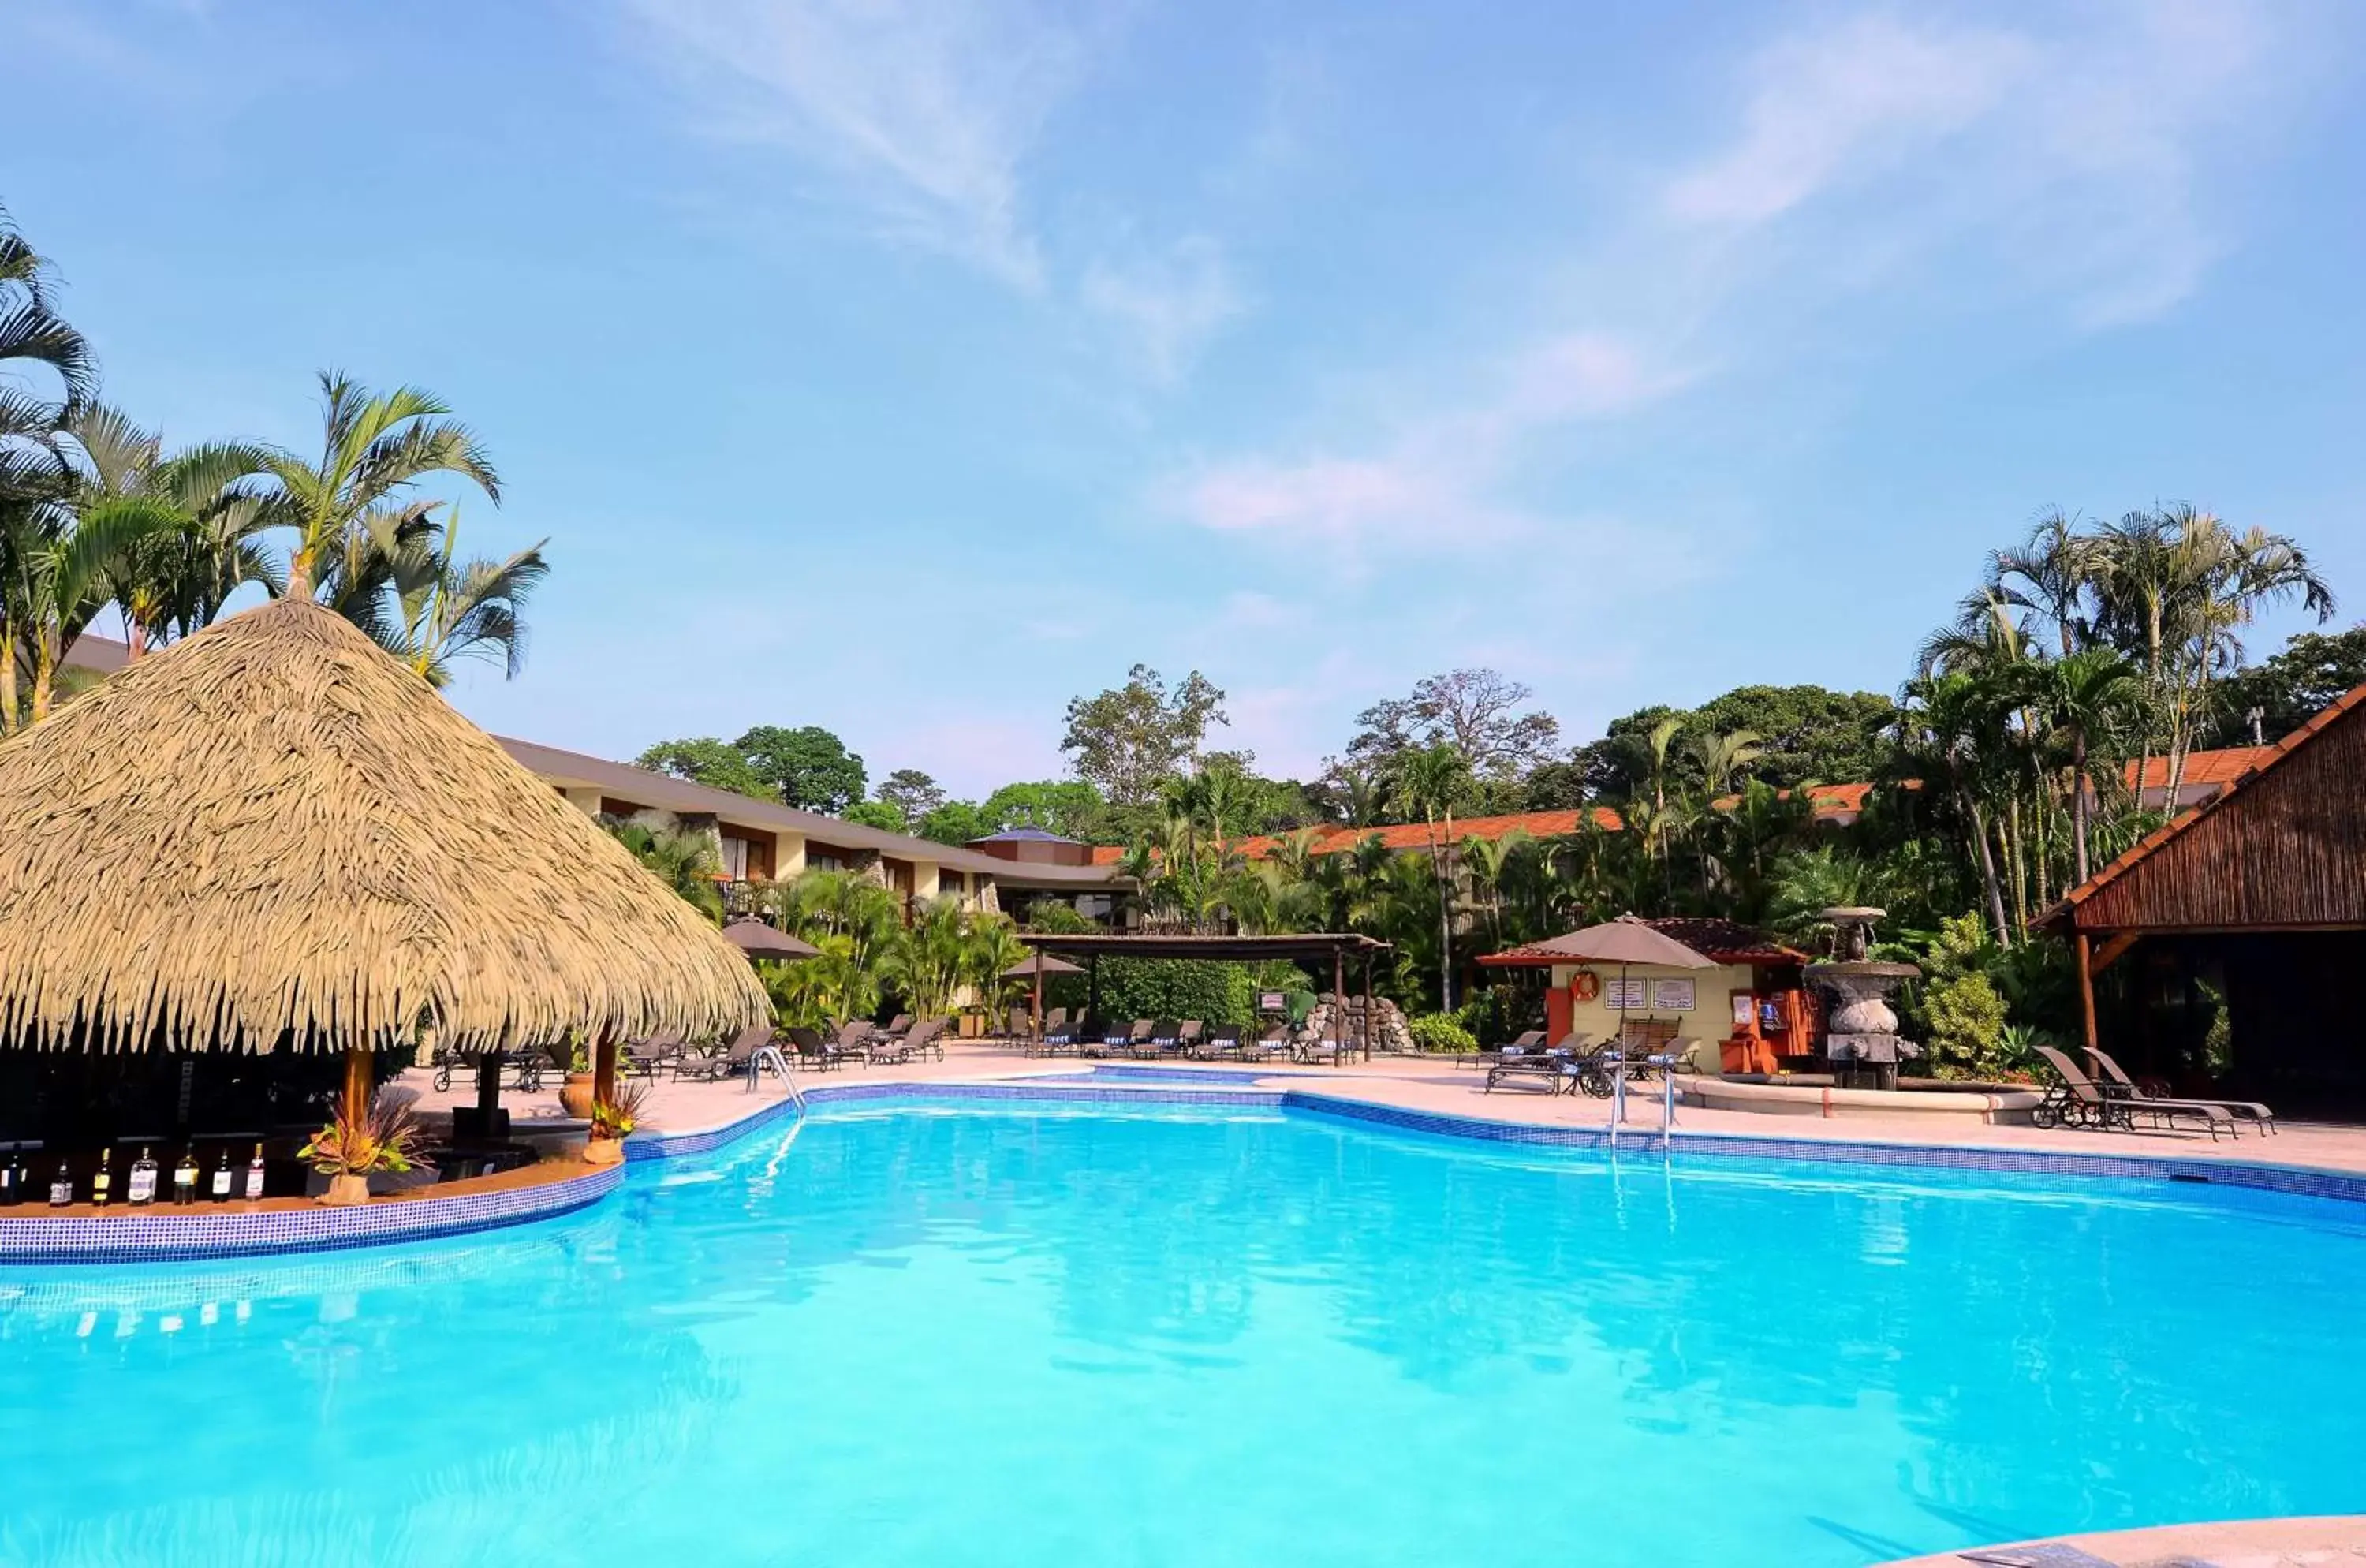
(1022, 1334)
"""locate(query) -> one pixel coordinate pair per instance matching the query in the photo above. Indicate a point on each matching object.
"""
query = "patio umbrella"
(1624, 941)
(758, 939)
(1036, 967)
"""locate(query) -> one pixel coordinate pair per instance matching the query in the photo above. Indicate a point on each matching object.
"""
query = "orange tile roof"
(1415, 835)
(2220, 767)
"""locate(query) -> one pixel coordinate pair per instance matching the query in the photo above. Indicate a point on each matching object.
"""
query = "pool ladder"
(769, 1056)
(1667, 1065)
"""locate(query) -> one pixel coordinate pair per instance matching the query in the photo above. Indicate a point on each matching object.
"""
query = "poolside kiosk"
(272, 837)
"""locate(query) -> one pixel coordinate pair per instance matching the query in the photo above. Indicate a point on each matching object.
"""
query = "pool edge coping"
(171, 1234)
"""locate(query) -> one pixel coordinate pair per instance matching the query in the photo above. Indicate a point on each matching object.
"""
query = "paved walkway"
(2338, 1541)
(1419, 1084)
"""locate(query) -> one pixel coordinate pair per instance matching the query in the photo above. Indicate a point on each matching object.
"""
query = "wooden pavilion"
(273, 837)
(2231, 943)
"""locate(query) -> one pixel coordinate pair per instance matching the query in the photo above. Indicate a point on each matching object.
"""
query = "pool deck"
(1442, 1088)
(2247, 1544)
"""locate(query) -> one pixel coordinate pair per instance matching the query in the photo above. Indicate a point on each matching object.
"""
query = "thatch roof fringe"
(272, 836)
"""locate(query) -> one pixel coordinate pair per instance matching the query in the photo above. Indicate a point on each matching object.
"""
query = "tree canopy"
(808, 768)
(1125, 741)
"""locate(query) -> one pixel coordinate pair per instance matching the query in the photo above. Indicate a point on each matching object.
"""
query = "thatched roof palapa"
(271, 834)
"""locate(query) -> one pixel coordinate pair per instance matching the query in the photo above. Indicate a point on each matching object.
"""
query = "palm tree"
(1430, 779)
(687, 862)
(443, 609)
(33, 334)
(2088, 696)
(375, 449)
(1946, 723)
(2053, 572)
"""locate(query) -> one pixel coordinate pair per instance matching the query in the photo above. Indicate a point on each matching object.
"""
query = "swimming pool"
(1024, 1333)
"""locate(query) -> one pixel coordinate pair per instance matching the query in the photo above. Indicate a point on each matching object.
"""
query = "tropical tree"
(434, 609)
(1431, 779)
(686, 862)
(2088, 697)
(376, 450)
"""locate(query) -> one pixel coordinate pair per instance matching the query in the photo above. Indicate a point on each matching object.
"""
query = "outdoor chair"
(1556, 1072)
(2112, 1076)
(1274, 1042)
(1316, 1050)
(1224, 1039)
(1130, 1042)
(855, 1037)
(2077, 1100)
(646, 1059)
(1188, 1037)
(1164, 1036)
(812, 1050)
(1056, 1019)
(1528, 1041)
(927, 1040)
(915, 1042)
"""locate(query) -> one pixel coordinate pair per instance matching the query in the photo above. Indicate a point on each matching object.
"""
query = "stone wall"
(1389, 1031)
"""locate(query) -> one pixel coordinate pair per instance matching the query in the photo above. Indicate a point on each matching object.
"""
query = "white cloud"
(925, 113)
(2062, 161)
(1436, 482)
(1870, 92)
(1166, 307)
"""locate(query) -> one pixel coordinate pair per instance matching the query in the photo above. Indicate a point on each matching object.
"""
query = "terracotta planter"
(344, 1191)
(604, 1151)
(575, 1096)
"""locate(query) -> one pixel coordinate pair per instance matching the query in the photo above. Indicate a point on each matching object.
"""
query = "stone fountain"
(1862, 1031)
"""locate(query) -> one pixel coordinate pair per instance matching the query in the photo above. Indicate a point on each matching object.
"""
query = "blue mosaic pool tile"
(183, 1233)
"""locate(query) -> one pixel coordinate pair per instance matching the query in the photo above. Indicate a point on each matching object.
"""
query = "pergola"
(1298, 947)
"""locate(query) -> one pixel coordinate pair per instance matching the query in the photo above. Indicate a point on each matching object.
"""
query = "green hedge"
(1165, 988)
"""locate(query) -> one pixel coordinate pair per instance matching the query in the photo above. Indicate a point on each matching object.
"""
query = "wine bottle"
(61, 1187)
(102, 1182)
(254, 1174)
(143, 1178)
(184, 1179)
(222, 1178)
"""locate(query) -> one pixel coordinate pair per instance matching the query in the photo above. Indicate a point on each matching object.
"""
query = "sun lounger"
(646, 1059)
(1555, 1071)
(1164, 1036)
(1224, 1039)
(2111, 1073)
(1131, 1042)
(1528, 1040)
(927, 1041)
(1273, 1041)
(2077, 1100)
(813, 1051)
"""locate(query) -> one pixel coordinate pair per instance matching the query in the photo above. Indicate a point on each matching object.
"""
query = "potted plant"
(385, 1137)
(575, 1094)
(612, 1119)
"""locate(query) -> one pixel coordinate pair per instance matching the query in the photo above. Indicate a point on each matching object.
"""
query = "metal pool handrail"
(769, 1056)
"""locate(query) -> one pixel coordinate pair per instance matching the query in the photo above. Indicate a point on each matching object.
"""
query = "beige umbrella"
(1035, 968)
(1624, 941)
(758, 939)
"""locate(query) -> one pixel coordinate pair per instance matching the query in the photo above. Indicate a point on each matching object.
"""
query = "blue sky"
(910, 367)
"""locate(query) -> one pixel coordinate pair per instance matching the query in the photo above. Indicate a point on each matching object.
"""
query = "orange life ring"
(1585, 985)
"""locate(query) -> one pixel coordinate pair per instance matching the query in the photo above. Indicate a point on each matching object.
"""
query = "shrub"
(1439, 1031)
(1966, 1023)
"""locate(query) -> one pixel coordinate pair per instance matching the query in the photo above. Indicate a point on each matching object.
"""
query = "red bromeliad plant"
(617, 1115)
(386, 1137)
